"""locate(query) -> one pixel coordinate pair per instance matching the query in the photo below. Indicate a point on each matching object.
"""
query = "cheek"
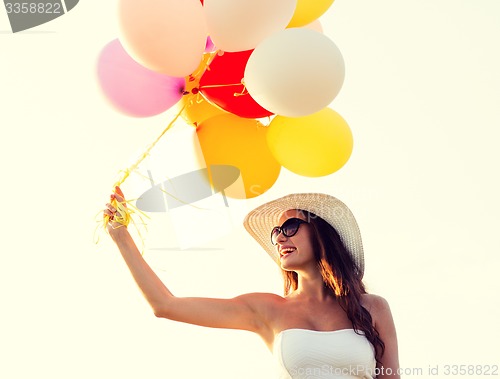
(306, 243)
(313, 245)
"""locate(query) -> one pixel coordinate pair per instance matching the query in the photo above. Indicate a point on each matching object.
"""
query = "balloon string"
(243, 92)
(148, 150)
(222, 85)
(125, 209)
(199, 72)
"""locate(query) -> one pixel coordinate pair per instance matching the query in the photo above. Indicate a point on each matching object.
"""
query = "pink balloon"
(209, 47)
(134, 89)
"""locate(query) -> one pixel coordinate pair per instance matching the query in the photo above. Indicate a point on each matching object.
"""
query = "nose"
(281, 237)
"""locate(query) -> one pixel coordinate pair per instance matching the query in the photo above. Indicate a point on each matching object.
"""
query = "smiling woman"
(325, 323)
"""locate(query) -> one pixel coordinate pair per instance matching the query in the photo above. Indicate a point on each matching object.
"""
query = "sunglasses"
(289, 228)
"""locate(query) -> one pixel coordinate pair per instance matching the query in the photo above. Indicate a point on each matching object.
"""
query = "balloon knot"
(243, 92)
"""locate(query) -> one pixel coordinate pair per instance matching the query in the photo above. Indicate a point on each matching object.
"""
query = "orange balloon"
(240, 142)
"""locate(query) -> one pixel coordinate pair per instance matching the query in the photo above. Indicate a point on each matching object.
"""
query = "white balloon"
(238, 25)
(295, 72)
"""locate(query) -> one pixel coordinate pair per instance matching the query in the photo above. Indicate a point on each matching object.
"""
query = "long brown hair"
(341, 276)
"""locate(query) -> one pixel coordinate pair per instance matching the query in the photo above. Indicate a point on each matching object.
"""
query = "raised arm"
(246, 312)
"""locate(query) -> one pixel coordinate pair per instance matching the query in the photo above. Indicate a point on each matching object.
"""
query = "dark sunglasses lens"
(290, 227)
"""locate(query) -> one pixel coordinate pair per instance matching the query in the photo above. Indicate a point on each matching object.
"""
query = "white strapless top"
(311, 354)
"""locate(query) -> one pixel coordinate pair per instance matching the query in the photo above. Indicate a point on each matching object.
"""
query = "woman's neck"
(312, 288)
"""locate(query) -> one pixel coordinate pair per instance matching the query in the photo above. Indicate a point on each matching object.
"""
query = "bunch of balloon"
(229, 64)
(291, 70)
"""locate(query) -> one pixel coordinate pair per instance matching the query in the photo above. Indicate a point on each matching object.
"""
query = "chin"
(288, 267)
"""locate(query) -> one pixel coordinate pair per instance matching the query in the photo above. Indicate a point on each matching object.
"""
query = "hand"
(112, 212)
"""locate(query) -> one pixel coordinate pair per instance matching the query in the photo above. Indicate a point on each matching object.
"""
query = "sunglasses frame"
(281, 231)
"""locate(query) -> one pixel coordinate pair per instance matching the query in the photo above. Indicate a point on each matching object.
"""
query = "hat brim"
(260, 221)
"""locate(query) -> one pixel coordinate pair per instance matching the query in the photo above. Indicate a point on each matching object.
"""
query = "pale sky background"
(422, 96)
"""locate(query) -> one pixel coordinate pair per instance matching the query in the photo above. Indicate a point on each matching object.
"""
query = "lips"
(286, 251)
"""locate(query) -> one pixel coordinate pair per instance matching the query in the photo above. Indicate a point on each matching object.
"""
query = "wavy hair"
(341, 276)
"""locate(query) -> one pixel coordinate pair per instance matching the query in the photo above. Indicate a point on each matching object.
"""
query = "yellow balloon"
(197, 109)
(315, 145)
(307, 11)
(240, 142)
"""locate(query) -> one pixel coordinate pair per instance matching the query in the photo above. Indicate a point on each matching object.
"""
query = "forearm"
(153, 289)
(241, 312)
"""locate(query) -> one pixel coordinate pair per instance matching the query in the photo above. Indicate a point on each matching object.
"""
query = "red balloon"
(221, 84)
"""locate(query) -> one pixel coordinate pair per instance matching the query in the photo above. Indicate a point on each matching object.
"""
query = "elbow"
(163, 309)
(160, 312)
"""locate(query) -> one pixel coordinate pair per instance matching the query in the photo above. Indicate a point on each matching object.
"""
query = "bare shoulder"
(375, 301)
(377, 306)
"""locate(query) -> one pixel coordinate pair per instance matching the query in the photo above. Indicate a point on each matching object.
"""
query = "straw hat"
(262, 219)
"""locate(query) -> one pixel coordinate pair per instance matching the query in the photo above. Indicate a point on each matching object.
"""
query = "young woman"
(325, 325)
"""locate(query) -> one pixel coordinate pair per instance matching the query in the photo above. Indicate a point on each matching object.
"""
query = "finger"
(118, 198)
(118, 190)
(111, 208)
(108, 213)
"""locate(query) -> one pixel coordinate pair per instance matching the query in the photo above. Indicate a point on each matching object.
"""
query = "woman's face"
(296, 252)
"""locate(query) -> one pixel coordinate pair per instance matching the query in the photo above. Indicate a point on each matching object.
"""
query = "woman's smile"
(285, 251)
